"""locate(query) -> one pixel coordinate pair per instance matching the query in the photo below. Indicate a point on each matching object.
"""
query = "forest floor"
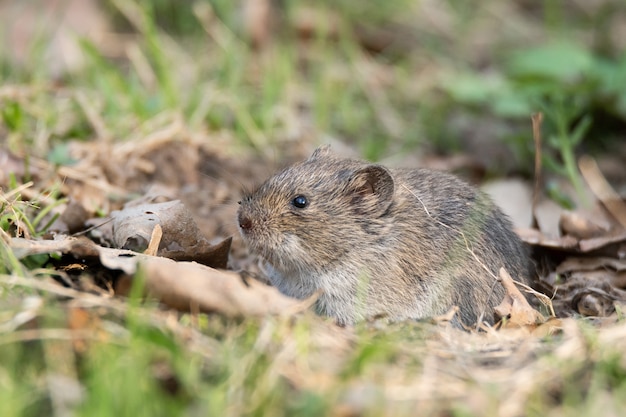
(146, 118)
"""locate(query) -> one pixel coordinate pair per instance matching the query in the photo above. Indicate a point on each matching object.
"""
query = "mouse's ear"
(370, 190)
(323, 150)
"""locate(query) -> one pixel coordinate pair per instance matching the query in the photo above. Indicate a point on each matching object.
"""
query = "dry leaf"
(593, 302)
(602, 189)
(188, 286)
(133, 226)
(535, 237)
(547, 214)
(514, 307)
(583, 225)
(25, 247)
(514, 197)
(591, 264)
(617, 237)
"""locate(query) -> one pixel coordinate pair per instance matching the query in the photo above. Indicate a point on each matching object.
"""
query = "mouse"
(373, 241)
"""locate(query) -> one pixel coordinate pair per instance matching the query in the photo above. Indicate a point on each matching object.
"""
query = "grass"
(286, 367)
(448, 61)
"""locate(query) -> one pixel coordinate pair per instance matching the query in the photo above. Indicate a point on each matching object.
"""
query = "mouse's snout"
(245, 223)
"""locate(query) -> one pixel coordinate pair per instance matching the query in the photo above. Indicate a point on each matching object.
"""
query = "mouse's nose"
(244, 222)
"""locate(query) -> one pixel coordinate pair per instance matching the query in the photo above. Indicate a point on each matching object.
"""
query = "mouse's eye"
(300, 201)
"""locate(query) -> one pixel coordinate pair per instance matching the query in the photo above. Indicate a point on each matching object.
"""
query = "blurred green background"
(385, 77)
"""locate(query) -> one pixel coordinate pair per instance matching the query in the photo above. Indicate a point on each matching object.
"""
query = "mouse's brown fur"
(396, 242)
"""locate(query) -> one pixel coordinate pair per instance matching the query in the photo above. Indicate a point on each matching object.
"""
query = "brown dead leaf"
(215, 256)
(602, 189)
(617, 237)
(133, 226)
(188, 285)
(608, 271)
(25, 247)
(591, 264)
(514, 197)
(81, 247)
(547, 214)
(583, 225)
(535, 237)
(593, 302)
(514, 307)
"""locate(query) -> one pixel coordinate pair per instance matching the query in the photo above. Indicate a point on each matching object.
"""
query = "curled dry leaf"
(80, 248)
(535, 237)
(615, 239)
(593, 302)
(582, 226)
(602, 189)
(132, 229)
(25, 247)
(591, 264)
(611, 244)
(514, 307)
(188, 286)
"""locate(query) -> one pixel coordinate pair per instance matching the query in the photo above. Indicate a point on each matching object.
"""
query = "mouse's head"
(312, 214)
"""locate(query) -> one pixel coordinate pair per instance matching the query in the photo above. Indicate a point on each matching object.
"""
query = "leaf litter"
(181, 181)
(581, 273)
